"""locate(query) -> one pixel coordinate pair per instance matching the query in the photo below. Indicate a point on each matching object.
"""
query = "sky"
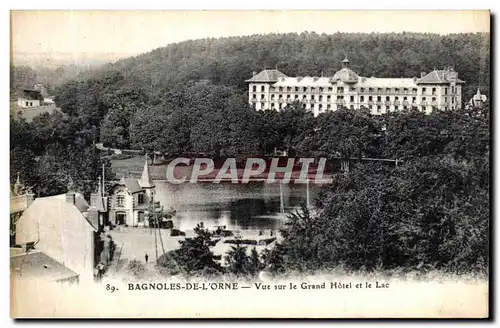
(115, 34)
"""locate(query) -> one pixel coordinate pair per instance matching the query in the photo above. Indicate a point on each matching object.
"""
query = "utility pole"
(103, 179)
(154, 220)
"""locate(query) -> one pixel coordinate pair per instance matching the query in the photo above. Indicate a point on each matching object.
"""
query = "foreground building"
(63, 228)
(437, 90)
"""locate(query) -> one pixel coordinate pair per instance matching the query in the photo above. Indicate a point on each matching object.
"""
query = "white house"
(130, 200)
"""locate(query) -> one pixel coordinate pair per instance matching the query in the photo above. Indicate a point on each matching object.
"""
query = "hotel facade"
(437, 90)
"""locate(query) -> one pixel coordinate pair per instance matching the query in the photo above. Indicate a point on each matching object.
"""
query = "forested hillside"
(230, 61)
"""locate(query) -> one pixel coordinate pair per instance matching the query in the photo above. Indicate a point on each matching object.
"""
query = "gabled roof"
(437, 77)
(267, 75)
(131, 184)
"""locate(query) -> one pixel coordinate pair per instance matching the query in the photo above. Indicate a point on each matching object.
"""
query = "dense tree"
(194, 257)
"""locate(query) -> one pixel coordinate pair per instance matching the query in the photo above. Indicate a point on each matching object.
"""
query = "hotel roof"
(267, 75)
(437, 77)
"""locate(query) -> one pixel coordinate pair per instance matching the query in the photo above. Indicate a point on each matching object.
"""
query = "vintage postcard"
(250, 164)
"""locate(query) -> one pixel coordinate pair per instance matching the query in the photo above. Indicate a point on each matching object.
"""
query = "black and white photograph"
(250, 164)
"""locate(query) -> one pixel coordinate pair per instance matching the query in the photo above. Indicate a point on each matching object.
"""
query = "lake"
(253, 206)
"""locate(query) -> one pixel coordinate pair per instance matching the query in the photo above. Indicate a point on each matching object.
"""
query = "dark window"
(289, 89)
(120, 201)
(320, 98)
(330, 89)
(312, 97)
(261, 105)
(261, 96)
(445, 91)
(320, 106)
(352, 98)
(254, 88)
(305, 89)
(362, 89)
(388, 98)
(296, 89)
(320, 89)
(328, 106)
(379, 98)
(281, 88)
(362, 98)
(369, 98)
(140, 199)
(423, 90)
(254, 96)
(262, 88)
(280, 105)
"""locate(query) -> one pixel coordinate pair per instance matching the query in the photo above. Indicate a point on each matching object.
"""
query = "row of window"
(120, 200)
(378, 108)
(352, 98)
(352, 89)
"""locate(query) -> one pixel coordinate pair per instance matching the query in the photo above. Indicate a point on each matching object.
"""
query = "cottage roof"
(267, 75)
(31, 94)
(131, 184)
(38, 265)
(437, 77)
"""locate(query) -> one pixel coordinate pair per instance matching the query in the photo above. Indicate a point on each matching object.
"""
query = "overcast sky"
(119, 33)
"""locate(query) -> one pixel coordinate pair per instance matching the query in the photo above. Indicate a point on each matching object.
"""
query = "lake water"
(254, 206)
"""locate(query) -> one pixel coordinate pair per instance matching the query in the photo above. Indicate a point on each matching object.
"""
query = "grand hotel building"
(437, 90)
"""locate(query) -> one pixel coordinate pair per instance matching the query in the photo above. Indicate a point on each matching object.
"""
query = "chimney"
(254, 73)
(70, 197)
(422, 74)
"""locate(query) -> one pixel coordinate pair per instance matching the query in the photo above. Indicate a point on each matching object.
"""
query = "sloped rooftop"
(267, 75)
(437, 77)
